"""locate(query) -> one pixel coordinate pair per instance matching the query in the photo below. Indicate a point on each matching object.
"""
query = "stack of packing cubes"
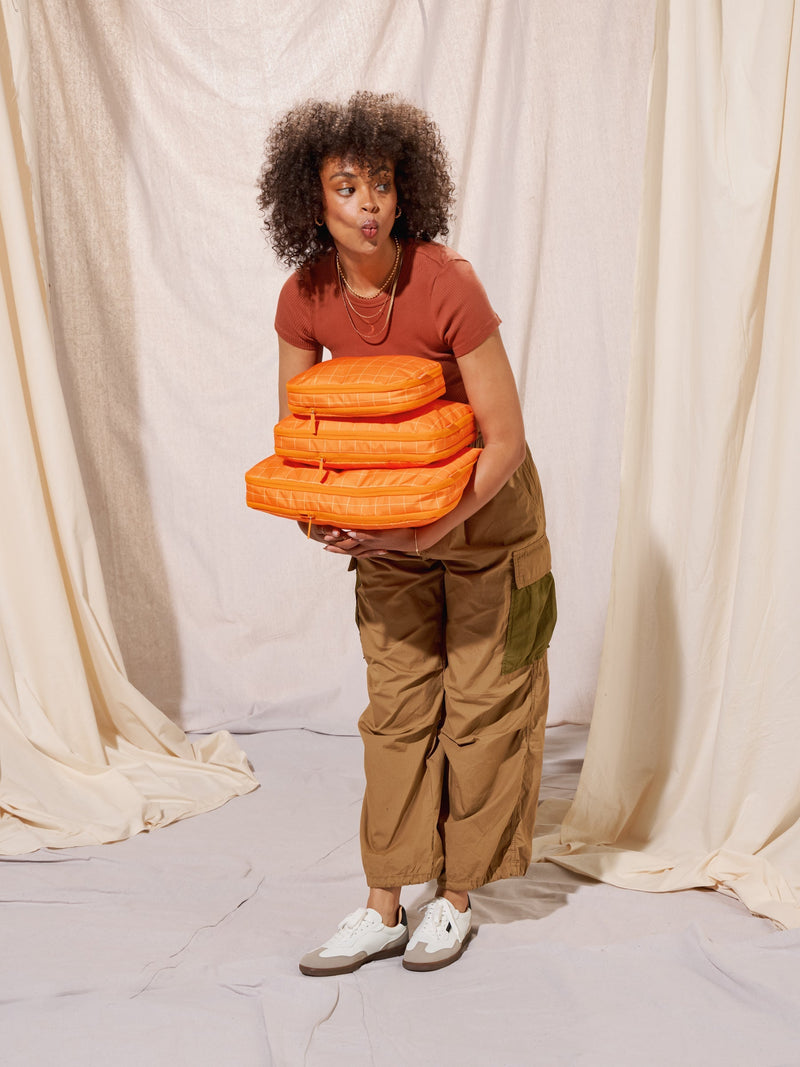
(370, 444)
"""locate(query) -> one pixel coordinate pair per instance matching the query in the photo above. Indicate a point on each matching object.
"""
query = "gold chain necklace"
(370, 336)
(373, 315)
(386, 281)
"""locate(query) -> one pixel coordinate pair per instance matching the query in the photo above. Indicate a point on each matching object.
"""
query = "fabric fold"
(689, 777)
(86, 758)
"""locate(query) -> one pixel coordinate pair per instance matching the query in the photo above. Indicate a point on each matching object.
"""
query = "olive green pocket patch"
(531, 619)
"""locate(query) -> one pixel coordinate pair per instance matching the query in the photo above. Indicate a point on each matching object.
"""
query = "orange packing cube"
(373, 499)
(406, 439)
(365, 385)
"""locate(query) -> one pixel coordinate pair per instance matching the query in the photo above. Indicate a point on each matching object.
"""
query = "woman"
(455, 616)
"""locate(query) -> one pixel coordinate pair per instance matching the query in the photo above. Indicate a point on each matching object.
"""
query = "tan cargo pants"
(455, 643)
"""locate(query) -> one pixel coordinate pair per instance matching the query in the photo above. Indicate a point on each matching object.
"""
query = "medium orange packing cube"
(365, 385)
(406, 439)
(364, 499)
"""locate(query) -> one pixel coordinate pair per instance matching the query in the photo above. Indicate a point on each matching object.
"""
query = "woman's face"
(358, 206)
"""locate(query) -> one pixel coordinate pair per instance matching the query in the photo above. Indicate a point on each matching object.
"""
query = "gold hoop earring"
(398, 211)
(318, 222)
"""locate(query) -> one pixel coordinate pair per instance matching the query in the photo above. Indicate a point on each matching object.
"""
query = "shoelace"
(352, 920)
(350, 923)
(437, 919)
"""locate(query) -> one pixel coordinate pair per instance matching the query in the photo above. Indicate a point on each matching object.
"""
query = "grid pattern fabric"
(360, 396)
(366, 499)
(431, 433)
(363, 385)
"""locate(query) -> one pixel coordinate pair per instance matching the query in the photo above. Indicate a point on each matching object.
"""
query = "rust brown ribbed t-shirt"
(441, 311)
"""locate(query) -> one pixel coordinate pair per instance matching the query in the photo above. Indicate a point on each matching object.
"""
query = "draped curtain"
(151, 120)
(691, 772)
(84, 757)
(142, 126)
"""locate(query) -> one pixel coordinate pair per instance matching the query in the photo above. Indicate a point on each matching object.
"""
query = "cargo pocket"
(532, 617)
(353, 566)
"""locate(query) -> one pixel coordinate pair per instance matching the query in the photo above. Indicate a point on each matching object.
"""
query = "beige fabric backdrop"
(691, 771)
(151, 119)
(85, 757)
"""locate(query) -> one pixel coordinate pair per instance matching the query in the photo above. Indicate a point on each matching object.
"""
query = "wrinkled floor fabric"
(181, 947)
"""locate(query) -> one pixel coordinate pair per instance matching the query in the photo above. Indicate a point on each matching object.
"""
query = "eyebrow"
(383, 173)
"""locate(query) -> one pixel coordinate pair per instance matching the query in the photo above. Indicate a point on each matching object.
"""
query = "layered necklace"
(374, 330)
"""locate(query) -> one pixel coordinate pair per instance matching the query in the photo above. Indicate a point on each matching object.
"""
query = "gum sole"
(348, 968)
(437, 964)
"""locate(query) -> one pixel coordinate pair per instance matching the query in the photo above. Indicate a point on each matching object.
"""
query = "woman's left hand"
(370, 542)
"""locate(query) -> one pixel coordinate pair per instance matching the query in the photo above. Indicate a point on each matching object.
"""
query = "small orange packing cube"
(364, 499)
(410, 439)
(365, 385)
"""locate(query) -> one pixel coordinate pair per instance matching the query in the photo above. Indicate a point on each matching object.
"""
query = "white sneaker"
(360, 938)
(440, 938)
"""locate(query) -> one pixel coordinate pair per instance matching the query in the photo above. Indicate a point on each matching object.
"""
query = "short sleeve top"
(440, 311)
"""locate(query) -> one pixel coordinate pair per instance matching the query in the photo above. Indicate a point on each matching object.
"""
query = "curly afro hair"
(369, 130)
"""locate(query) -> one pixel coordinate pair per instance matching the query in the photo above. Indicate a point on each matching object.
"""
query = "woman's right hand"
(318, 533)
(338, 539)
(327, 535)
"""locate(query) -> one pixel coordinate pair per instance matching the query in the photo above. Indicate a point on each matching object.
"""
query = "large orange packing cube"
(364, 499)
(407, 439)
(365, 385)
